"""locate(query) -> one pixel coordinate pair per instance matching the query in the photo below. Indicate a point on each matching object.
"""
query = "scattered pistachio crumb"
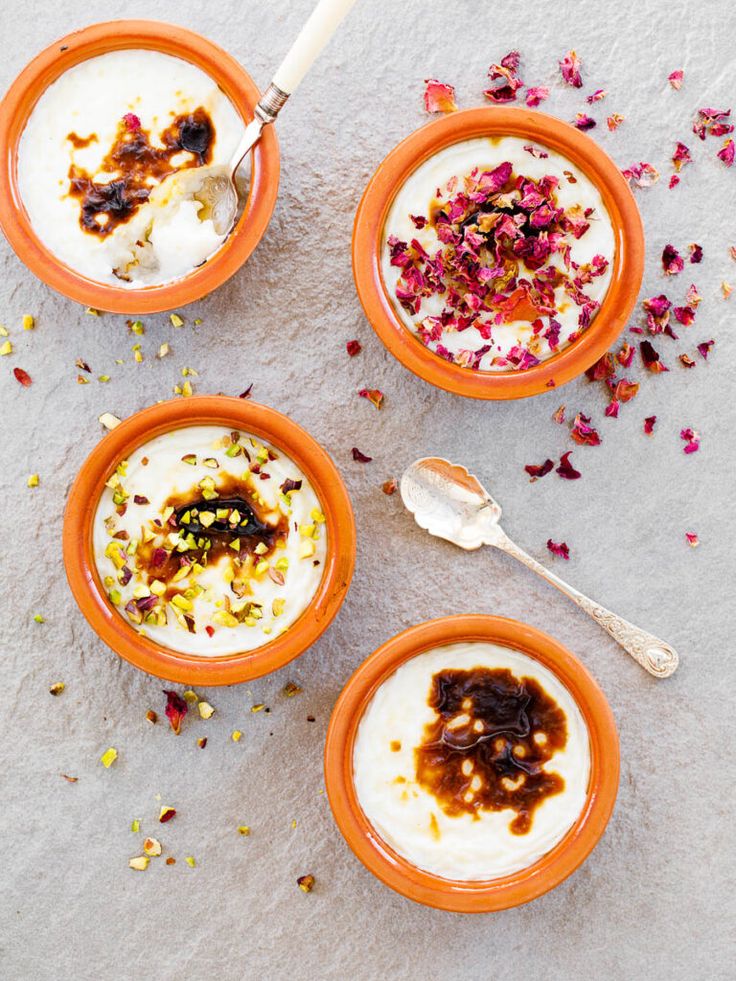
(244, 830)
(90, 311)
(257, 708)
(235, 735)
(139, 863)
(152, 846)
(166, 814)
(291, 688)
(191, 696)
(206, 711)
(109, 421)
(176, 320)
(305, 883)
(33, 480)
(135, 825)
(197, 321)
(136, 327)
(190, 861)
(108, 757)
(293, 824)
(163, 350)
(103, 378)
(151, 717)
(57, 688)
(6, 348)
(38, 618)
(28, 322)
(3, 330)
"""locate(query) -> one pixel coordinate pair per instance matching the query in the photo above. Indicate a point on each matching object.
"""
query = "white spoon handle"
(324, 21)
(657, 657)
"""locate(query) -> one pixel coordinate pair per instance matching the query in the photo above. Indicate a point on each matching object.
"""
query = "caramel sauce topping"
(136, 166)
(488, 744)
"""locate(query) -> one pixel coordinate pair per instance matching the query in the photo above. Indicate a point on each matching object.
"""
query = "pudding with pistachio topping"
(497, 254)
(109, 166)
(209, 541)
(472, 761)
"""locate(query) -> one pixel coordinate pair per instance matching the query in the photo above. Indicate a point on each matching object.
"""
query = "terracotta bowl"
(231, 413)
(98, 39)
(474, 896)
(585, 154)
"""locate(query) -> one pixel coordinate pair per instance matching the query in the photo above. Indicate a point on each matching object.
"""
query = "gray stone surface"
(655, 900)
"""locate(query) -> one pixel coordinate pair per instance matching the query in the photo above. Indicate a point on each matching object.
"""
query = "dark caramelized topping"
(80, 142)
(230, 516)
(135, 165)
(487, 747)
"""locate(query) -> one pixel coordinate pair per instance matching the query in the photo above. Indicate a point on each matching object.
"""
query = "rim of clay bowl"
(506, 891)
(583, 153)
(99, 39)
(231, 413)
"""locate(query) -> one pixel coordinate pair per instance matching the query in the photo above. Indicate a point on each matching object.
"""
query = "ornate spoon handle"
(657, 657)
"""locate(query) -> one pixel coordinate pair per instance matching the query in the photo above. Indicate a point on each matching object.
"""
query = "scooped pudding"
(209, 541)
(108, 166)
(497, 254)
(472, 761)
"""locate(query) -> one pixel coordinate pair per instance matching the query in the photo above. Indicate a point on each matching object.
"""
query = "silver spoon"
(451, 503)
(217, 190)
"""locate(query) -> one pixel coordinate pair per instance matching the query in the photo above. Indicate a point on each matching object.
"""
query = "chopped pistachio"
(108, 757)
(282, 564)
(257, 708)
(151, 717)
(197, 321)
(140, 863)
(277, 607)
(202, 742)
(261, 567)
(103, 378)
(135, 825)
(33, 480)
(190, 861)
(182, 602)
(7, 348)
(152, 846)
(293, 824)
(191, 696)
(3, 330)
(305, 883)
(316, 515)
(90, 311)
(57, 688)
(291, 688)
(136, 327)
(158, 588)
(235, 735)
(211, 462)
(176, 320)
(38, 618)
(307, 548)
(28, 322)
(206, 711)
(244, 830)
(166, 814)
(163, 350)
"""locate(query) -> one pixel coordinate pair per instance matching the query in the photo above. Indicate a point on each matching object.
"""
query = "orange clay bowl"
(585, 154)
(494, 894)
(237, 85)
(231, 413)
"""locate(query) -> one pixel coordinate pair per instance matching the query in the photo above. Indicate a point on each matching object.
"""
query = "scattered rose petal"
(439, 97)
(360, 457)
(726, 289)
(684, 315)
(504, 78)
(614, 121)
(681, 157)
(559, 414)
(583, 433)
(692, 539)
(675, 78)
(132, 121)
(566, 469)
(559, 548)
(625, 355)
(687, 361)
(692, 297)
(704, 348)
(176, 709)
(674, 181)
(536, 471)
(596, 96)
(642, 174)
(649, 424)
(714, 122)
(583, 122)
(696, 252)
(672, 261)
(536, 94)
(691, 438)
(353, 348)
(306, 883)
(166, 814)
(650, 357)
(389, 487)
(374, 396)
(727, 153)
(570, 70)
(22, 376)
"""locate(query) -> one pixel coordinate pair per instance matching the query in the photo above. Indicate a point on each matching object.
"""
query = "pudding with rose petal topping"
(497, 254)
(209, 541)
(108, 166)
(472, 761)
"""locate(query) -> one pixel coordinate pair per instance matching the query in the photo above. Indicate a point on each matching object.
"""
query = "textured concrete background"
(655, 899)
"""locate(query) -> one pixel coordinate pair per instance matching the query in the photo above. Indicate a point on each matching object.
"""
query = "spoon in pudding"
(451, 503)
(217, 190)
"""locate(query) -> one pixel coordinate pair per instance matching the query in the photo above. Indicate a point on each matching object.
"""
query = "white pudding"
(209, 541)
(472, 761)
(94, 159)
(495, 257)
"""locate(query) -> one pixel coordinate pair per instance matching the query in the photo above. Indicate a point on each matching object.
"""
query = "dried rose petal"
(602, 369)
(583, 433)
(132, 122)
(596, 96)
(614, 121)
(559, 548)
(687, 361)
(504, 78)
(536, 94)
(290, 485)
(650, 357)
(673, 181)
(704, 348)
(353, 348)
(649, 424)
(559, 414)
(360, 457)
(626, 355)
(727, 153)
(390, 487)
(166, 814)
(675, 78)
(691, 438)
(684, 315)
(696, 252)
(566, 469)
(536, 471)
(22, 376)
(247, 393)
(305, 883)
(681, 157)
(438, 96)
(176, 709)
(692, 539)
(374, 396)
(712, 121)
(672, 261)
(642, 174)
(583, 122)
(570, 70)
